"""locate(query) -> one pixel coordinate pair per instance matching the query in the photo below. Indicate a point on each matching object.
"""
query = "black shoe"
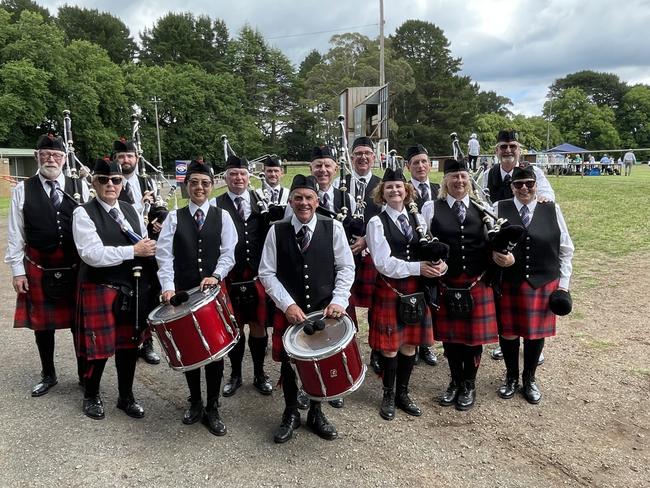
(428, 356)
(93, 407)
(302, 400)
(147, 353)
(131, 407)
(466, 396)
(261, 384)
(290, 422)
(212, 420)
(540, 361)
(47, 382)
(375, 363)
(231, 386)
(404, 402)
(509, 388)
(194, 413)
(319, 424)
(497, 354)
(336, 403)
(387, 410)
(450, 396)
(531, 391)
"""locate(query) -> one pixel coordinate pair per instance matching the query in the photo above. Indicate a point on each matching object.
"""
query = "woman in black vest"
(463, 328)
(196, 247)
(391, 239)
(542, 267)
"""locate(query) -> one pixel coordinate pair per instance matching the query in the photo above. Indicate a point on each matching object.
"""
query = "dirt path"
(591, 429)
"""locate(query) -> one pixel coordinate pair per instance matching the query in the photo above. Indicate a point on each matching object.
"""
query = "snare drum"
(328, 362)
(197, 332)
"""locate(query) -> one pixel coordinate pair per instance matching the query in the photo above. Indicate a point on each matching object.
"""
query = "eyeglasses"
(47, 155)
(368, 154)
(512, 147)
(103, 180)
(520, 184)
(203, 183)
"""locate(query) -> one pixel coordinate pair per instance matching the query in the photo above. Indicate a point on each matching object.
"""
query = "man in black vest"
(306, 266)
(137, 190)
(40, 239)
(107, 234)
(196, 247)
(276, 193)
(245, 290)
(324, 168)
(419, 165)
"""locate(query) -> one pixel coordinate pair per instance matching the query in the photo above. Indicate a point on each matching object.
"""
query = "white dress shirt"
(91, 249)
(283, 194)
(16, 234)
(343, 264)
(246, 202)
(380, 249)
(165, 246)
(134, 183)
(288, 212)
(566, 245)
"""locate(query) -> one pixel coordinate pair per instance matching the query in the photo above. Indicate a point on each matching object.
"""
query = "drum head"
(167, 313)
(337, 335)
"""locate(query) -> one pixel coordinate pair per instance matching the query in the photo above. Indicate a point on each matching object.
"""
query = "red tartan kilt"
(523, 310)
(481, 328)
(257, 314)
(386, 333)
(98, 334)
(364, 283)
(280, 325)
(34, 310)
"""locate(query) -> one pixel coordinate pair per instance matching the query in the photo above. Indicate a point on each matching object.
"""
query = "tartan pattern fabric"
(34, 310)
(523, 310)
(386, 333)
(280, 325)
(257, 314)
(98, 334)
(481, 328)
(364, 282)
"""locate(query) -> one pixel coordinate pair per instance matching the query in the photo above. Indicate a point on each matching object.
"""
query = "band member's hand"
(20, 284)
(503, 260)
(437, 269)
(359, 245)
(294, 314)
(208, 282)
(166, 295)
(428, 270)
(334, 310)
(145, 248)
(541, 199)
(147, 197)
(156, 226)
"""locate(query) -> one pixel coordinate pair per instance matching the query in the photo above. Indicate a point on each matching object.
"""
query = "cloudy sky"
(515, 47)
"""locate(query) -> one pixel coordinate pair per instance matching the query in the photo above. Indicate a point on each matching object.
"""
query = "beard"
(50, 172)
(127, 169)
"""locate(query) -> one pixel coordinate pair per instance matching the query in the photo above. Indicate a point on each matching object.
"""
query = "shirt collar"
(245, 196)
(297, 225)
(531, 205)
(504, 173)
(330, 192)
(416, 183)
(366, 177)
(108, 207)
(451, 200)
(394, 214)
(194, 207)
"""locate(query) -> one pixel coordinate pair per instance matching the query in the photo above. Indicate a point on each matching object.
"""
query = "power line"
(322, 32)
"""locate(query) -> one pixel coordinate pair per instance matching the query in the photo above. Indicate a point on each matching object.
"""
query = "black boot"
(147, 352)
(319, 424)
(290, 422)
(93, 406)
(211, 418)
(236, 356)
(261, 382)
(45, 344)
(532, 350)
(195, 411)
(471, 362)
(427, 354)
(375, 361)
(125, 360)
(466, 395)
(455, 362)
(402, 399)
(387, 410)
(510, 348)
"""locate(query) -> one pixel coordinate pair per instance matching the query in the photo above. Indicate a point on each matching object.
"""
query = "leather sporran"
(411, 308)
(124, 304)
(459, 303)
(243, 294)
(58, 283)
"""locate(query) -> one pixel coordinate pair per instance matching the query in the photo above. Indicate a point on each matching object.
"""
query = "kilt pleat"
(523, 310)
(364, 282)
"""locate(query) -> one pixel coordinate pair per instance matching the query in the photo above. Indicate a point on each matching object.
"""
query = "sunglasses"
(103, 180)
(520, 184)
(503, 147)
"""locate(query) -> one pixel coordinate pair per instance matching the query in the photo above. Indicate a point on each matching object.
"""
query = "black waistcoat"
(48, 228)
(111, 235)
(434, 188)
(498, 190)
(468, 251)
(537, 256)
(371, 208)
(400, 248)
(145, 185)
(250, 233)
(195, 253)
(309, 277)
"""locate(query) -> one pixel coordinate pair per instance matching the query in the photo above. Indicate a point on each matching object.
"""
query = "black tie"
(424, 191)
(54, 194)
(129, 192)
(239, 201)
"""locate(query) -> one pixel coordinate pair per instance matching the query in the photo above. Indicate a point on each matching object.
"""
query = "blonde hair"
(442, 194)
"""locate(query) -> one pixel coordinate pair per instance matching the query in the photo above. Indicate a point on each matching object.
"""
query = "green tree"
(634, 117)
(601, 88)
(16, 7)
(491, 102)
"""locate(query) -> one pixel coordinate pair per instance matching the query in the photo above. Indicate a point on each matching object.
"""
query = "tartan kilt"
(257, 314)
(523, 310)
(364, 282)
(481, 328)
(386, 333)
(98, 335)
(280, 325)
(34, 310)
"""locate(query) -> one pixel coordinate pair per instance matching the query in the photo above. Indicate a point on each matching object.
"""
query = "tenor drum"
(197, 332)
(328, 362)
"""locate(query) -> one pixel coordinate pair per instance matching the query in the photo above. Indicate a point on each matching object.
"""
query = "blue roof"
(567, 148)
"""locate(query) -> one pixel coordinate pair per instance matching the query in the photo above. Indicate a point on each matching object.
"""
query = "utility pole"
(382, 78)
(155, 100)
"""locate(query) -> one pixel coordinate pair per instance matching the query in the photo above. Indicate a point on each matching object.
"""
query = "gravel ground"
(591, 429)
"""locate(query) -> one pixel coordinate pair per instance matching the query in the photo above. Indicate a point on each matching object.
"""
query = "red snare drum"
(328, 362)
(196, 332)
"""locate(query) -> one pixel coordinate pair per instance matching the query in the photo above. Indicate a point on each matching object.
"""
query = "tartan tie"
(55, 197)
(361, 188)
(133, 236)
(303, 237)
(407, 230)
(460, 210)
(424, 191)
(524, 213)
(240, 207)
(325, 201)
(276, 195)
(129, 191)
(199, 218)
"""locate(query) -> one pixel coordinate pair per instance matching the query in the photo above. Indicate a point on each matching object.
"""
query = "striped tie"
(524, 213)
(460, 210)
(199, 218)
(407, 230)
(303, 237)
(55, 197)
